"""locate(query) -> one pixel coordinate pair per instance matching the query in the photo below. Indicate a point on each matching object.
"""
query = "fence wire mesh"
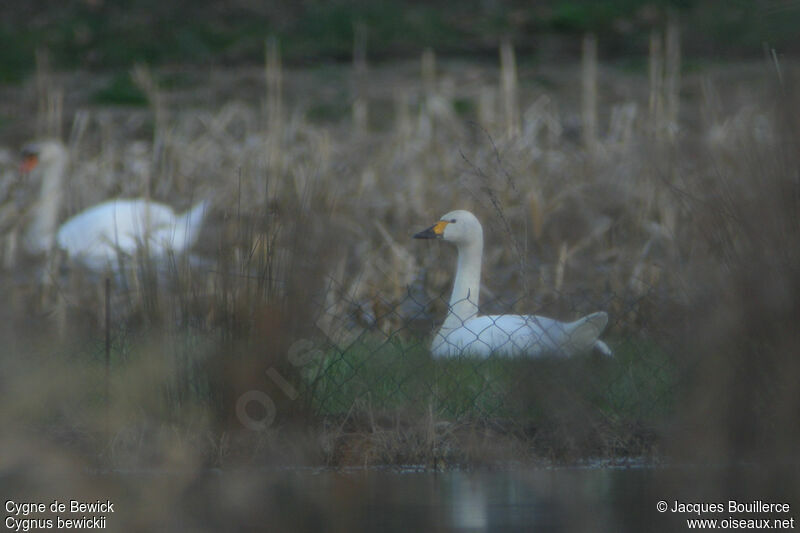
(378, 355)
(372, 359)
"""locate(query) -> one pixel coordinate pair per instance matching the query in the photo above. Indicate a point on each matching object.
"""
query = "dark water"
(547, 499)
(592, 498)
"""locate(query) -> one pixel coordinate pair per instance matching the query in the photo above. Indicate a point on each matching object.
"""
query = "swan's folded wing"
(504, 335)
(525, 335)
(584, 332)
(98, 234)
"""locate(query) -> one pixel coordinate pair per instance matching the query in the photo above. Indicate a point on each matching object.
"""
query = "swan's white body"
(464, 332)
(99, 235)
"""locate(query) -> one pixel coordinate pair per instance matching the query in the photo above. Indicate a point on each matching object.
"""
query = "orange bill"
(29, 162)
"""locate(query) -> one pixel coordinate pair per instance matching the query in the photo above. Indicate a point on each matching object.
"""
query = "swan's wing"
(501, 335)
(584, 332)
(99, 233)
(92, 234)
(603, 348)
(141, 217)
(528, 335)
(180, 232)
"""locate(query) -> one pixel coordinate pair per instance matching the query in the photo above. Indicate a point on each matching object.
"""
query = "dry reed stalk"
(49, 99)
(589, 92)
(42, 88)
(656, 79)
(540, 117)
(324, 147)
(403, 262)
(77, 132)
(275, 121)
(402, 116)
(430, 433)
(642, 274)
(509, 89)
(672, 73)
(144, 79)
(428, 72)
(11, 249)
(665, 79)
(537, 214)
(621, 125)
(561, 265)
(776, 64)
(425, 119)
(359, 78)
(487, 107)
(711, 105)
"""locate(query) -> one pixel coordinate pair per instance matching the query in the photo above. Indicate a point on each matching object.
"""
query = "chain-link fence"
(585, 362)
(382, 356)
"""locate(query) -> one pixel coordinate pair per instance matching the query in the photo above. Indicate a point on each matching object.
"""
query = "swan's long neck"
(466, 287)
(42, 230)
(187, 226)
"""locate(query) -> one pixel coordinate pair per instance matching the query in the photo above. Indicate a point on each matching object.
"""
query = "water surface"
(595, 497)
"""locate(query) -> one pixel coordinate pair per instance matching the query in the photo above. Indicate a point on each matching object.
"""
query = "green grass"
(120, 90)
(16, 55)
(464, 107)
(385, 375)
(637, 384)
(325, 112)
(394, 375)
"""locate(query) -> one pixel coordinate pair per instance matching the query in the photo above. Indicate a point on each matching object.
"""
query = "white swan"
(98, 235)
(466, 333)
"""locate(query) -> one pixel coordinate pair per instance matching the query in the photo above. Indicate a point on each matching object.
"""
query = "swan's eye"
(452, 221)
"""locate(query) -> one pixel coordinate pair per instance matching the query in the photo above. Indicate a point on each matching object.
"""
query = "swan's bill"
(29, 161)
(434, 232)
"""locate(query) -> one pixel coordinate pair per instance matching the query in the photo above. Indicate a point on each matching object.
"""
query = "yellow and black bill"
(434, 232)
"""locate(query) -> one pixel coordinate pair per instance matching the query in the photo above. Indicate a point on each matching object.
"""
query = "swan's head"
(459, 227)
(43, 153)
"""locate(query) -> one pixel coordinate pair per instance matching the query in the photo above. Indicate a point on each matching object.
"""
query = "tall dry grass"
(597, 191)
(740, 342)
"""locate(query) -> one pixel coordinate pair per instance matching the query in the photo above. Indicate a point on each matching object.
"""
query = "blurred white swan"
(98, 235)
(466, 333)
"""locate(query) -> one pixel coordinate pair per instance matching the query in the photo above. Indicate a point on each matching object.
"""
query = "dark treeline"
(101, 34)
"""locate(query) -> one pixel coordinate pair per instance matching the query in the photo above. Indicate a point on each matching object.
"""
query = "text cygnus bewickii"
(98, 235)
(464, 332)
